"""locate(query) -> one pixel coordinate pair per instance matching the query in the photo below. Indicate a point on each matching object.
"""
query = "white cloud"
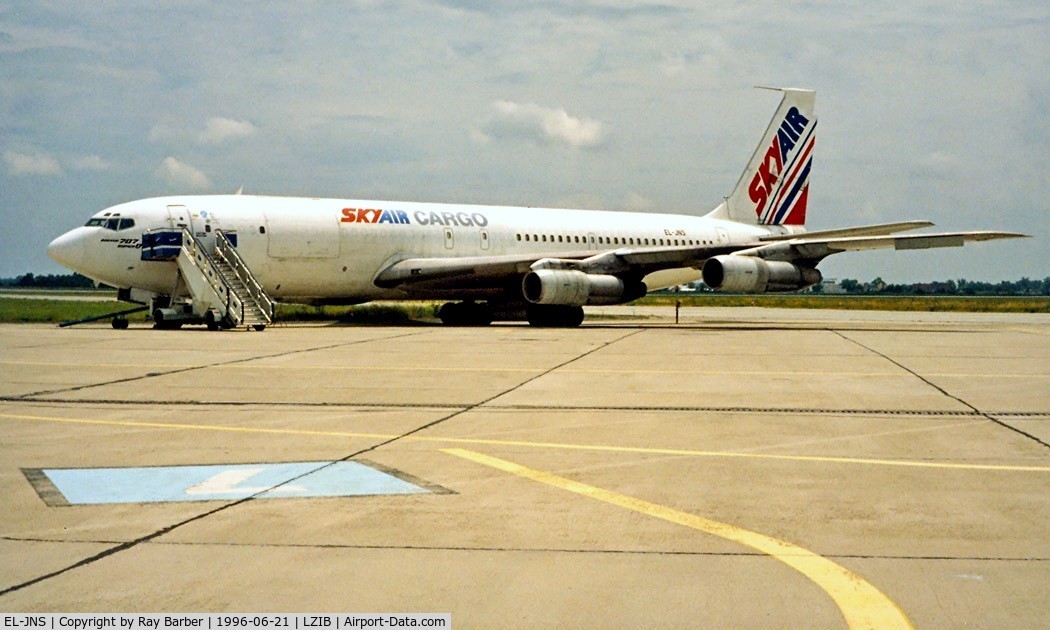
(18, 39)
(638, 203)
(664, 91)
(181, 175)
(219, 130)
(90, 163)
(545, 125)
(36, 164)
(162, 133)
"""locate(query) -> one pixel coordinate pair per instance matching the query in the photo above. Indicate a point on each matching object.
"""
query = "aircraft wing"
(493, 270)
(490, 272)
(418, 270)
(815, 247)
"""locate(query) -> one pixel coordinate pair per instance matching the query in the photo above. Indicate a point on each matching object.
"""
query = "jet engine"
(570, 287)
(749, 274)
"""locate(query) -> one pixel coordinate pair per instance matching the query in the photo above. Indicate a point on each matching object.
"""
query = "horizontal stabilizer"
(913, 241)
(815, 248)
(867, 230)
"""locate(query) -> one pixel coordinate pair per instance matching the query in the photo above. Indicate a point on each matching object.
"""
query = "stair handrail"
(218, 283)
(225, 250)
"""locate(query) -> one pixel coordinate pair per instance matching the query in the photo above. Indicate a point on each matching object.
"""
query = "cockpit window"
(111, 222)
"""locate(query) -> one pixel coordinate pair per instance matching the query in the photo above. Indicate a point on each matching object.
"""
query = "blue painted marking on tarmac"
(224, 482)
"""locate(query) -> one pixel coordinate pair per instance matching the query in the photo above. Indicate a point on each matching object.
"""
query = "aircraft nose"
(67, 250)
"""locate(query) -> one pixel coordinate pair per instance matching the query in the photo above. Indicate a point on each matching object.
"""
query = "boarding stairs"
(223, 291)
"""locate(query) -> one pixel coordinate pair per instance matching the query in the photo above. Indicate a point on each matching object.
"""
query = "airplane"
(223, 260)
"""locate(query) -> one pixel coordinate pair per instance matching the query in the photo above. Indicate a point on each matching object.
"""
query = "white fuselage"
(304, 249)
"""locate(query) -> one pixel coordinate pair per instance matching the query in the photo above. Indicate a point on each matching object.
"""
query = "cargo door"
(303, 232)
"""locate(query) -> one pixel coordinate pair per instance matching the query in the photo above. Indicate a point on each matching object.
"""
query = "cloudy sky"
(930, 110)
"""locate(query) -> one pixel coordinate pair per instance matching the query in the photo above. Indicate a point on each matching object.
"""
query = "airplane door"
(303, 232)
(485, 240)
(591, 242)
(178, 217)
(723, 236)
(449, 239)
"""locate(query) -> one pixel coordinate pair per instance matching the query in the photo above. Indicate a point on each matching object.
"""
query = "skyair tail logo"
(780, 188)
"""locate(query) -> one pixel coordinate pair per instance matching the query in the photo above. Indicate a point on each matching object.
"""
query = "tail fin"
(774, 188)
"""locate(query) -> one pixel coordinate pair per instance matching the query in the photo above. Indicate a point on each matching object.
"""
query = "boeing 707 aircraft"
(223, 260)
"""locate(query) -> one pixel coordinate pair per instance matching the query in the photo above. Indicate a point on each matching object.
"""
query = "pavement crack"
(131, 379)
(170, 528)
(222, 508)
(818, 411)
(482, 403)
(945, 392)
(510, 549)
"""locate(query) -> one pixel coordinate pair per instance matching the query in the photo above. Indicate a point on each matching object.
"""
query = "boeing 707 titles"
(223, 260)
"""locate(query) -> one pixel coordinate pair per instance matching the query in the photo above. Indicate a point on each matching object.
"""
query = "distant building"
(831, 286)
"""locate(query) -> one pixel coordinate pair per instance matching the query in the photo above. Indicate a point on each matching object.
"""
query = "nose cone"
(68, 250)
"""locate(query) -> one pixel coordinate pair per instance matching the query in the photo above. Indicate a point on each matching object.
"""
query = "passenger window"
(262, 229)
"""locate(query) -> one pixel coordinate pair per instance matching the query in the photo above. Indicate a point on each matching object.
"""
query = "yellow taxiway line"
(862, 605)
(545, 445)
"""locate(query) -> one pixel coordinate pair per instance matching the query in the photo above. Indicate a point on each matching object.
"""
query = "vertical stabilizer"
(774, 188)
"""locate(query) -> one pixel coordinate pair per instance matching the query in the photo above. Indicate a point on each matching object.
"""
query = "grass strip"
(18, 310)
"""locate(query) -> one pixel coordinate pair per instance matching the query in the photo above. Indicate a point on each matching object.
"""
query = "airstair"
(222, 292)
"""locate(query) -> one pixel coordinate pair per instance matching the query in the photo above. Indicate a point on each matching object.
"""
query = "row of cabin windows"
(611, 240)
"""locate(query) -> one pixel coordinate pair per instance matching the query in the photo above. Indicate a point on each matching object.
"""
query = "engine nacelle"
(570, 287)
(749, 274)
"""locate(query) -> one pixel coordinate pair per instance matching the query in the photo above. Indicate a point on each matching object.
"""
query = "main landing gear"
(465, 314)
(545, 316)
(554, 316)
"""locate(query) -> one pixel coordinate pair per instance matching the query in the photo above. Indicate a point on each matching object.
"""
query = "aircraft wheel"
(119, 323)
(259, 327)
(465, 314)
(160, 324)
(210, 321)
(554, 316)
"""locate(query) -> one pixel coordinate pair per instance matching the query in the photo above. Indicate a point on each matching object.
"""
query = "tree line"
(1024, 286)
(50, 281)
